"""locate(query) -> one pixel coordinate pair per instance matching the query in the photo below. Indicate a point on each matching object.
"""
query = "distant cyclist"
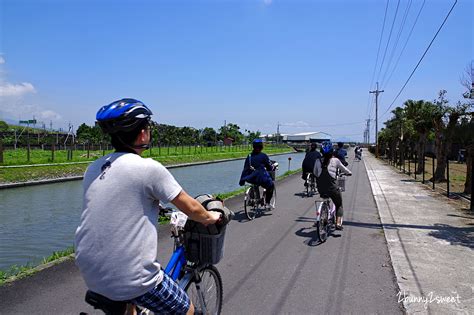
(310, 158)
(256, 168)
(116, 241)
(358, 152)
(325, 170)
(341, 153)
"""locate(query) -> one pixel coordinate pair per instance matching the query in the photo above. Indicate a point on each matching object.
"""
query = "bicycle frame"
(174, 267)
(330, 205)
(176, 263)
(258, 195)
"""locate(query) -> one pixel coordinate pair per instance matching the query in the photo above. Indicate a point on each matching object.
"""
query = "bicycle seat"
(323, 196)
(106, 305)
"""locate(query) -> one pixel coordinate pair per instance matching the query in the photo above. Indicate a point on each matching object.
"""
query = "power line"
(395, 45)
(423, 56)
(369, 104)
(388, 41)
(405, 45)
(380, 43)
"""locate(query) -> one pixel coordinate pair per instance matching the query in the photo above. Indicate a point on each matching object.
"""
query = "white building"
(309, 137)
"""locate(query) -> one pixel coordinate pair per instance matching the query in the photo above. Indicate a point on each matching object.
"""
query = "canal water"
(35, 221)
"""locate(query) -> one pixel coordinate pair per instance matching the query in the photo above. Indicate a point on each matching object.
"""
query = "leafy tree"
(445, 119)
(84, 133)
(3, 126)
(254, 135)
(420, 114)
(231, 131)
(209, 135)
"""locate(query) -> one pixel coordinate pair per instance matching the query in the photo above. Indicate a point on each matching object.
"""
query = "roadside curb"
(80, 177)
(394, 244)
(38, 268)
(40, 182)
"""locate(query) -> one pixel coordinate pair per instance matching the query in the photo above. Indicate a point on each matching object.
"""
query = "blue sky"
(305, 64)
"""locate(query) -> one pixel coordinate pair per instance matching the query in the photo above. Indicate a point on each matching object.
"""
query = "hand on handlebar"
(214, 217)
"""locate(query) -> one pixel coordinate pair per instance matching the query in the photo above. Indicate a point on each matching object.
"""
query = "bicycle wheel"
(250, 205)
(323, 224)
(207, 294)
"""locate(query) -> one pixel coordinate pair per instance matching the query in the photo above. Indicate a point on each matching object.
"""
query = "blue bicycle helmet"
(123, 115)
(257, 143)
(327, 147)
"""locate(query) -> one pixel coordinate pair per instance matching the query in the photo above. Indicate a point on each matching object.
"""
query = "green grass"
(16, 272)
(28, 173)
(23, 174)
(165, 154)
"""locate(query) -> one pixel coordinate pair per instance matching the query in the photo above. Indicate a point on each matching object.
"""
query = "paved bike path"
(274, 265)
(271, 265)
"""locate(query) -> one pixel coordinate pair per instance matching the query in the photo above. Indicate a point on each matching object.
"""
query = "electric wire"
(369, 105)
(397, 40)
(422, 57)
(405, 45)
(388, 40)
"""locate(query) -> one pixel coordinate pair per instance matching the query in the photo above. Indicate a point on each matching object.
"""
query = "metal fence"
(89, 152)
(422, 169)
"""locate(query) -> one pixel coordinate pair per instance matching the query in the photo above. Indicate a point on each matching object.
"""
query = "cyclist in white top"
(116, 241)
(325, 170)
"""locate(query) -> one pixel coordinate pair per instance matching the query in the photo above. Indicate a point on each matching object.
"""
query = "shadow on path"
(463, 236)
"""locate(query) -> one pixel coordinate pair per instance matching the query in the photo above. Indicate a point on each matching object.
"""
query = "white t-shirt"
(116, 241)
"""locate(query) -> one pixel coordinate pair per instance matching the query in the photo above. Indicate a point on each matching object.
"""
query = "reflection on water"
(37, 220)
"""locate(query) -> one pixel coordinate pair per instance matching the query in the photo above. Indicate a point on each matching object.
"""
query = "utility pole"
(368, 131)
(278, 133)
(376, 92)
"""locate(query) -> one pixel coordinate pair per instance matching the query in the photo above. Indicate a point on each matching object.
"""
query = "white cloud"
(49, 115)
(2, 60)
(9, 89)
(267, 2)
(18, 109)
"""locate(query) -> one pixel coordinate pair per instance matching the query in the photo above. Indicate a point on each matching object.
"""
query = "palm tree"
(445, 119)
(420, 114)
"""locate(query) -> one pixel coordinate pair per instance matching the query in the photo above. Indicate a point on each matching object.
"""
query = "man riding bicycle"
(116, 241)
(310, 158)
(256, 168)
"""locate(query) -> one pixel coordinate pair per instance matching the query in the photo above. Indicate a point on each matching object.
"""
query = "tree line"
(165, 135)
(419, 122)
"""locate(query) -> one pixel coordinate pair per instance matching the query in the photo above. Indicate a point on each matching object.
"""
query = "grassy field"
(27, 173)
(457, 174)
(39, 156)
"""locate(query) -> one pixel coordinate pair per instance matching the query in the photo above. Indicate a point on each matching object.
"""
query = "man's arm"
(194, 210)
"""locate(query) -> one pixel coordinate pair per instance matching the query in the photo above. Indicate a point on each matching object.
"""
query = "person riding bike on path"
(116, 241)
(325, 170)
(256, 168)
(310, 158)
(341, 153)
